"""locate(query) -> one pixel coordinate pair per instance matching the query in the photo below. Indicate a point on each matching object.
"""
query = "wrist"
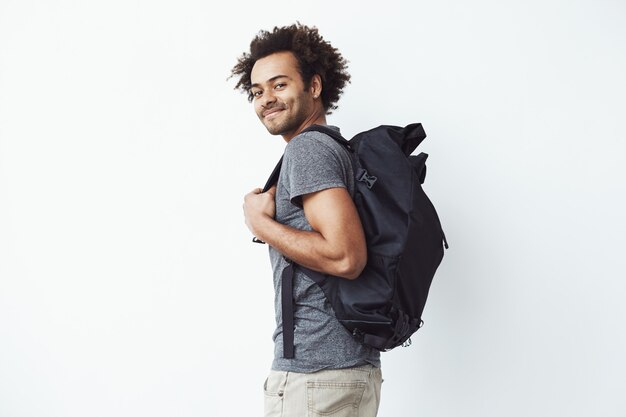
(260, 226)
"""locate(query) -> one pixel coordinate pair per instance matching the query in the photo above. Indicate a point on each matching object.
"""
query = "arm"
(336, 245)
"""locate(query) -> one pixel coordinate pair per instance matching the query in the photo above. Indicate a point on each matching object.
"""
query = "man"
(294, 78)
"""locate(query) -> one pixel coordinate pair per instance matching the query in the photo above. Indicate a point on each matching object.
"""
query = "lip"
(271, 113)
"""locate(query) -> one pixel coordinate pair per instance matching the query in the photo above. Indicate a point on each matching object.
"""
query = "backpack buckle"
(368, 179)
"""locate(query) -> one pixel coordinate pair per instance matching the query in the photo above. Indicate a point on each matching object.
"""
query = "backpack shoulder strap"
(273, 178)
(330, 132)
(287, 277)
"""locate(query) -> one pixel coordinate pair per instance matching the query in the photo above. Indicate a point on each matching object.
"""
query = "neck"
(317, 118)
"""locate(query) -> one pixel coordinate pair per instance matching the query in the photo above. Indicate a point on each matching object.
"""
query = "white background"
(128, 282)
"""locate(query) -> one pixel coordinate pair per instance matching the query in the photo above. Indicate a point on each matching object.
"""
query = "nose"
(268, 98)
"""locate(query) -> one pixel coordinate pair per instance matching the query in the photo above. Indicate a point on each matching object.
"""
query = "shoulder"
(315, 144)
(314, 161)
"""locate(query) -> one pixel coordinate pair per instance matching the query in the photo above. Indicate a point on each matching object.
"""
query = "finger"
(253, 192)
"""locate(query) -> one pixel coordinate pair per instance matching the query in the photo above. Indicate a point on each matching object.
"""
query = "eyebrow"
(270, 80)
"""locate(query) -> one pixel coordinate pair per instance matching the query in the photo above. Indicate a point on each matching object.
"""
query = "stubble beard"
(280, 127)
(290, 123)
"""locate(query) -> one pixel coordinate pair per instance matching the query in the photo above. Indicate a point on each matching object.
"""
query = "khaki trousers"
(350, 392)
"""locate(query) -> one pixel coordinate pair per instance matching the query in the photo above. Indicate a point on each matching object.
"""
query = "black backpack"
(383, 307)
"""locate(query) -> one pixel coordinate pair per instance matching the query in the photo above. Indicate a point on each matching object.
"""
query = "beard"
(281, 127)
(290, 120)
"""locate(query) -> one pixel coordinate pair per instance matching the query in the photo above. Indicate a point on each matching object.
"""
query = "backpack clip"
(369, 180)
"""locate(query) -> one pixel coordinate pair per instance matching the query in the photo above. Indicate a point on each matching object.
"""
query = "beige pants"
(351, 392)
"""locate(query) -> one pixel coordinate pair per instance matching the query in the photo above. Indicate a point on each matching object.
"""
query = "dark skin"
(336, 245)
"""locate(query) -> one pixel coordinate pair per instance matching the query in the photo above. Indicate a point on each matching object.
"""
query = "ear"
(316, 86)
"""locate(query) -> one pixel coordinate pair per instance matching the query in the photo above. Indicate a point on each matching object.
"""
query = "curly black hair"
(314, 56)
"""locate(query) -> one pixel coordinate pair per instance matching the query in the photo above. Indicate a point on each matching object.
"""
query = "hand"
(257, 207)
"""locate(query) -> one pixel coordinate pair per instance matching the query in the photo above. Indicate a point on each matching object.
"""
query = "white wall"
(128, 282)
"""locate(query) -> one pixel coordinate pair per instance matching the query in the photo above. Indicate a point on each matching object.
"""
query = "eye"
(280, 86)
(256, 93)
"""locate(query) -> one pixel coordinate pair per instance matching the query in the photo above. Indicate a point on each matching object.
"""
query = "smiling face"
(281, 101)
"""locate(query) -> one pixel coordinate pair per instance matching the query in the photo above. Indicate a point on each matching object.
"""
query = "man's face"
(280, 99)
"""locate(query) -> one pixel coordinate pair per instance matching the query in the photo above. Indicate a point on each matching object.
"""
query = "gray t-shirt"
(312, 162)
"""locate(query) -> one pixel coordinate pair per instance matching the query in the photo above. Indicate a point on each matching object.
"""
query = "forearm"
(307, 248)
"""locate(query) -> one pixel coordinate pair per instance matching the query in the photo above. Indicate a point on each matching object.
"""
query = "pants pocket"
(273, 390)
(334, 398)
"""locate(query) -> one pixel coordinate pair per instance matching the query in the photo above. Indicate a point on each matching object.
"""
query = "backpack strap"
(273, 179)
(287, 301)
(287, 279)
(287, 304)
(330, 132)
(288, 274)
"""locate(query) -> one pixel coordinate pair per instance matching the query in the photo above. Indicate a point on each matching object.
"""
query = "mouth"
(272, 113)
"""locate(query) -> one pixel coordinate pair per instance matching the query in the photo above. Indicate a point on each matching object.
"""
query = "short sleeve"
(310, 165)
